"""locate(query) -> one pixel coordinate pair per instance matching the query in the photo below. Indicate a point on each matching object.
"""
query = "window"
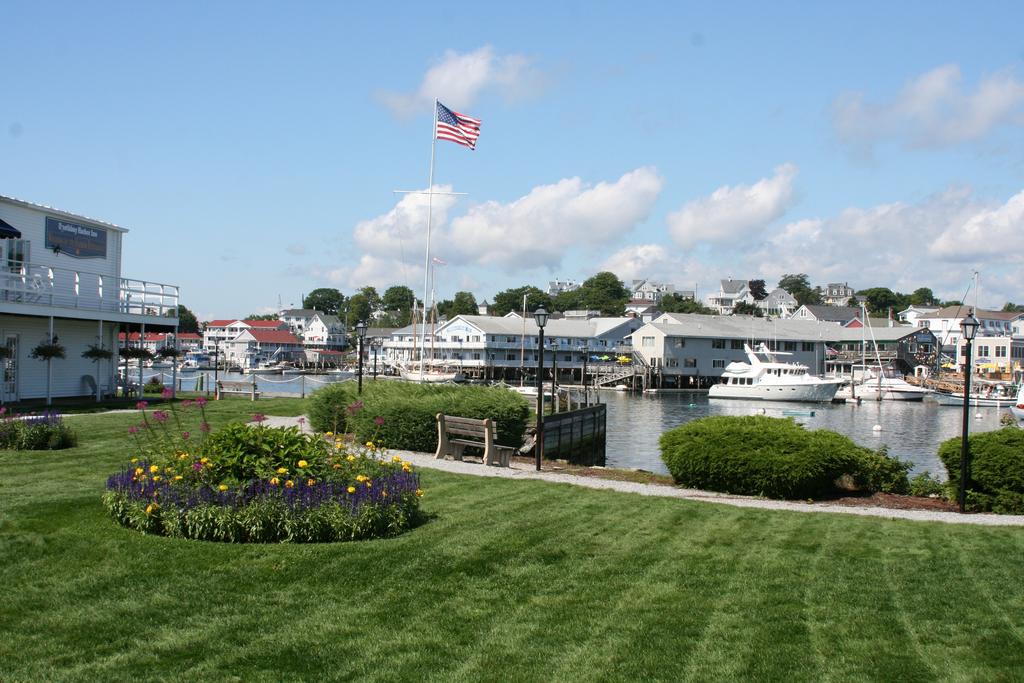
(510, 339)
(789, 346)
(718, 363)
(807, 346)
(511, 356)
(476, 356)
(737, 344)
(679, 343)
(718, 343)
(671, 362)
(689, 362)
(567, 358)
(982, 350)
(1000, 352)
(647, 342)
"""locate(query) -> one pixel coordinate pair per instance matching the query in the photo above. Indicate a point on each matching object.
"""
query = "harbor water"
(912, 430)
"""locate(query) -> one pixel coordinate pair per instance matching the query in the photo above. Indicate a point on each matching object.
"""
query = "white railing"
(38, 285)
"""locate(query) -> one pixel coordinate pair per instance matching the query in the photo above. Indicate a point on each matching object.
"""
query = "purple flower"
(187, 403)
(378, 420)
(185, 435)
(167, 392)
(160, 415)
(133, 430)
(204, 427)
(354, 408)
(201, 401)
(197, 466)
(142, 405)
(258, 417)
(302, 420)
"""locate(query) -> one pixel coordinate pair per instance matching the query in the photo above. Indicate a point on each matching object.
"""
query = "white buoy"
(876, 428)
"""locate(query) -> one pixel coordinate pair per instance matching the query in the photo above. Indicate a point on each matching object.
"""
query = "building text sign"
(73, 239)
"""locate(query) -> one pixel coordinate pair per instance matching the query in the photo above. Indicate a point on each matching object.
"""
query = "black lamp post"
(969, 326)
(361, 333)
(586, 394)
(540, 316)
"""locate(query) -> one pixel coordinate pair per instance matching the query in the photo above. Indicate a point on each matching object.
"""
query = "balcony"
(34, 285)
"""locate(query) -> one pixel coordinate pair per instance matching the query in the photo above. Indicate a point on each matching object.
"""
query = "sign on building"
(74, 239)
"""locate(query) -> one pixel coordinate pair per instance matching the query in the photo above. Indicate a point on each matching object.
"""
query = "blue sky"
(252, 148)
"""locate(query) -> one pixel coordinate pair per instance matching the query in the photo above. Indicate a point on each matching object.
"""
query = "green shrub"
(402, 415)
(925, 485)
(772, 457)
(46, 432)
(996, 481)
(153, 386)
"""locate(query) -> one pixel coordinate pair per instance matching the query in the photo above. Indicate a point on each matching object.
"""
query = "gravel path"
(519, 471)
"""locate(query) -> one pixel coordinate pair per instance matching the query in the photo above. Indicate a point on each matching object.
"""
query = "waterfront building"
(992, 354)
(684, 351)
(61, 280)
(154, 341)
(257, 344)
(490, 347)
(910, 314)
(316, 329)
(945, 323)
(218, 332)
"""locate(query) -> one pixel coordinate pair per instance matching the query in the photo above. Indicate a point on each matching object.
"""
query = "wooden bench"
(475, 433)
(226, 387)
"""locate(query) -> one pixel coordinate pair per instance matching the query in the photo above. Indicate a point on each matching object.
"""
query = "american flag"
(456, 127)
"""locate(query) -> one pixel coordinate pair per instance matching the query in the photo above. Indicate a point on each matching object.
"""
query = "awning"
(8, 231)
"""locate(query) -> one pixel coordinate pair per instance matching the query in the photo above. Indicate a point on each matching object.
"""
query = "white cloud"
(382, 272)
(457, 79)
(995, 234)
(933, 110)
(641, 261)
(401, 232)
(732, 213)
(538, 228)
(934, 243)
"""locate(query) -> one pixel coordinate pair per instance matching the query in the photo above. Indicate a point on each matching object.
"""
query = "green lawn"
(507, 581)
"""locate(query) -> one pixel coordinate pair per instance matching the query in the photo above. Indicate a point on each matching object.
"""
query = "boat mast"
(522, 345)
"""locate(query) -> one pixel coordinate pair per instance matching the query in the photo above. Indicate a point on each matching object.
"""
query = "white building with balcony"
(61, 278)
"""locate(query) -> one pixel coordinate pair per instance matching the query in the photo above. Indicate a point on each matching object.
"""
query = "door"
(10, 368)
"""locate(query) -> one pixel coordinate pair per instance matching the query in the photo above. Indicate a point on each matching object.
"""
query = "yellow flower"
(168, 470)
(337, 445)
(156, 477)
(183, 456)
(153, 468)
(177, 477)
(223, 487)
(282, 470)
(303, 463)
(328, 433)
(406, 467)
(336, 466)
(351, 489)
(151, 507)
(396, 459)
(369, 444)
(275, 481)
(139, 470)
(369, 484)
(361, 477)
(383, 494)
(134, 460)
(419, 493)
(204, 460)
(351, 458)
(289, 484)
(142, 477)
(310, 482)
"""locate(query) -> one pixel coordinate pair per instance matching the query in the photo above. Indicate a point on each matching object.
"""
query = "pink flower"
(197, 466)
(187, 403)
(258, 417)
(354, 408)
(167, 392)
(302, 420)
(133, 430)
(160, 415)
(142, 405)
(3, 409)
(201, 401)
(185, 435)
(204, 427)
(378, 420)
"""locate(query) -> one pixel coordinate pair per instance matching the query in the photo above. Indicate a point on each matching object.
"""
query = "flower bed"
(257, 484)
(32, 432)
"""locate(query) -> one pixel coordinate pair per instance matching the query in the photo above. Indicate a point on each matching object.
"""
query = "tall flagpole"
(426, 258)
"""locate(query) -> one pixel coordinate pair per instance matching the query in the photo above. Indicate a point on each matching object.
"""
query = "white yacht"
(768, 379)
(1018, 408)
(881, 384)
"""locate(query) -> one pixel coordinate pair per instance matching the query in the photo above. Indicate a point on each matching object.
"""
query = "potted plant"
(48, 350)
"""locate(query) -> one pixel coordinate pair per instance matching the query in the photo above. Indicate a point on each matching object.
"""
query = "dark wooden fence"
(577, 436)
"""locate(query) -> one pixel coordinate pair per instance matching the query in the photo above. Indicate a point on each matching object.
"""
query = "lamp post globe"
(361, 334)
(969, 327)
(540, 316)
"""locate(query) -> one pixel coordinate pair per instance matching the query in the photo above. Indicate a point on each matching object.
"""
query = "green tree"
(853, 301)
(747, 308)
(187, 320)
(604, 292)
(512, 300)
(372, 298)
(464, 303)
(260, 316)
(758, 290)
(1010, 307)
(567, 301)
(325, 299)
(799, 286)
(880, 300)
(923, 296)
(397, 303)
(358, 309)
(673, 303)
